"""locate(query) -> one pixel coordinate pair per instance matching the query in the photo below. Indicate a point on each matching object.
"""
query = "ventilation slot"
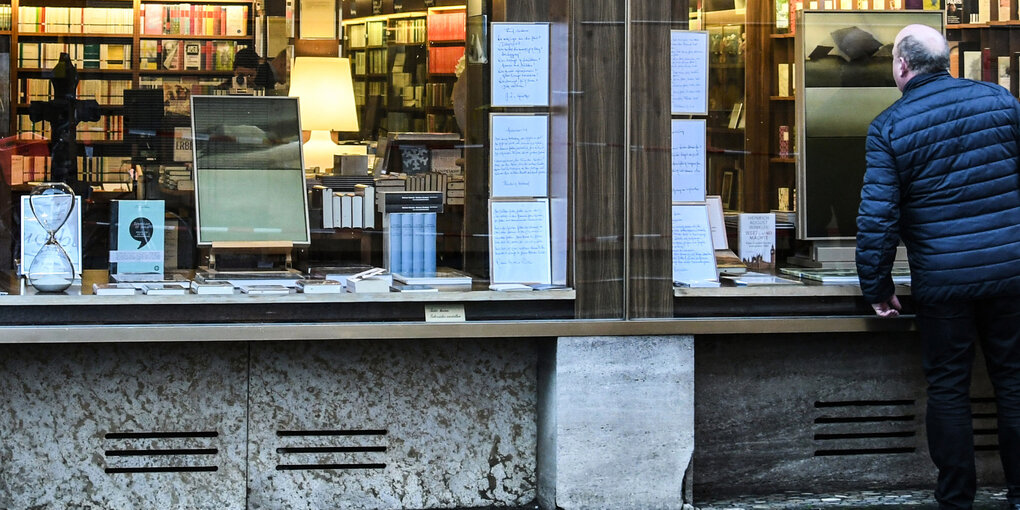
(986, 427)
(160, 452)
(865, 427)
(332, 450)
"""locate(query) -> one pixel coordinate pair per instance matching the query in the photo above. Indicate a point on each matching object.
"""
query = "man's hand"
(888, 308)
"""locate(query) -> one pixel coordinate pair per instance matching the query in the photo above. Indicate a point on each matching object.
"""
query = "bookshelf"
(118, 45)
(727, 75)
(404, 68)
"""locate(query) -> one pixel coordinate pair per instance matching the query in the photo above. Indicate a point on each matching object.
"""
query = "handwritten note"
(689, 160)
(688, 72)
(520, 155)
(693, 257)
(519, 233)
(520, 64)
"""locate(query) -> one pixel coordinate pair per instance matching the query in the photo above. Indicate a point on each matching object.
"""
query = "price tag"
(445, 313)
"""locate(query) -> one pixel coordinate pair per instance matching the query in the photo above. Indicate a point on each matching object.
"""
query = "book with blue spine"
(418, 243)
(430, 245)
(407, 243)
(392, 241)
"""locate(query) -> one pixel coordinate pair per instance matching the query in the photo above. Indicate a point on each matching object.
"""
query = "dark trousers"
(949, 332)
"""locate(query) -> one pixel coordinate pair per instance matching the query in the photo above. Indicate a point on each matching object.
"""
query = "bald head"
(921, 49)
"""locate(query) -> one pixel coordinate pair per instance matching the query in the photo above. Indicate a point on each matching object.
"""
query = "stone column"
(622, 412)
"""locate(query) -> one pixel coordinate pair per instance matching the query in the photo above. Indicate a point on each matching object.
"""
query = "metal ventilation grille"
(160, 452)
(331, 449)
(986, 427)
(865, 427)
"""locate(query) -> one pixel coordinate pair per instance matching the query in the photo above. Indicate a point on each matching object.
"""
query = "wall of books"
(187, 48)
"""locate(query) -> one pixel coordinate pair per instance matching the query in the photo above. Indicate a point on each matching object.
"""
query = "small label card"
(445, 313)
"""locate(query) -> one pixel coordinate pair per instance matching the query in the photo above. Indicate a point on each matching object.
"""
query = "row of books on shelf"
(447, 25)
(108, 127)
(370, 61)
(194, 19)
(408, 31)
(443, 59)
(84, 55)
(176, 177)
(976, 11)
(105, 92)
(439, 95)
(180, 88)
(984, 65)
(349, 209)
(409, 243)
(5, 17)
(76, 20)
(176, 54)
(96, 169)
(449, 185)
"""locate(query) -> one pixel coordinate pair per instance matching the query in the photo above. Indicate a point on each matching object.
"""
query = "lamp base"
(319, 151)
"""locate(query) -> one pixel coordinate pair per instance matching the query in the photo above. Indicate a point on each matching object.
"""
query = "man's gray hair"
(920, 58)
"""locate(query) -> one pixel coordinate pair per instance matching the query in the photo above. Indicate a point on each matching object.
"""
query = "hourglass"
(51, 269)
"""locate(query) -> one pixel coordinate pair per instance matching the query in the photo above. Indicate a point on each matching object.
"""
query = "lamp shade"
(326, 92)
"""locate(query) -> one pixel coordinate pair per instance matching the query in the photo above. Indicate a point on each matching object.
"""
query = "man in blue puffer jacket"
(942, 174)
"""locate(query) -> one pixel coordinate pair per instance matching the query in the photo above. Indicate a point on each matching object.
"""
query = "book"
(407, 254)
(165, 288)
(136, 237)
(266, 289)
(393, 226)
(443, 278)
(320, 287)
(327, 208)
(971, 65)
(192, 55)
(418, 244)
(114, 289)
(171, 53)
(1002, 71)
(212, 288)
(411, 201)
(368, 204)
(403, 287)
(754, 279)
(756, 233)
(429, 239)
(954, 11)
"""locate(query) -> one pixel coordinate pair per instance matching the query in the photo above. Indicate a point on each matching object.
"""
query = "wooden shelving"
(393, 55)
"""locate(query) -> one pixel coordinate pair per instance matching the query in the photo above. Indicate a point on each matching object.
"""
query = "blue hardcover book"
(393, 239)
(406, 244)
(418, 244)
(430, 244)
(136, 237)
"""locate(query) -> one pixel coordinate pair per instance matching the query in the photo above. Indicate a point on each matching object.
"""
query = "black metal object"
(64, 112)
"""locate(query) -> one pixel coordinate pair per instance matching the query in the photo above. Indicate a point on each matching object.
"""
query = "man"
(246, 64)
(942, 174)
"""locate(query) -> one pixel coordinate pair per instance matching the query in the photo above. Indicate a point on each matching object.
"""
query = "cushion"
(854, 43)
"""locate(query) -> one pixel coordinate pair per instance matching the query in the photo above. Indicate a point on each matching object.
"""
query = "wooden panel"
(651, 283)
(598, 134)
(758, 86)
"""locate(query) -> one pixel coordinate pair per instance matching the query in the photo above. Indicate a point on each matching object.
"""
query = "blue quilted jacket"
(942, 175)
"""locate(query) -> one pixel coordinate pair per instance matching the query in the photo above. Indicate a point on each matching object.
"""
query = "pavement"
(986, 499)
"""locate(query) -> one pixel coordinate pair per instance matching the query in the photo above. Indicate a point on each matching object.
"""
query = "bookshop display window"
(211, 154)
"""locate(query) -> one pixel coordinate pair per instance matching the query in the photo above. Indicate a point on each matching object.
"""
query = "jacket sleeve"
(878, 218)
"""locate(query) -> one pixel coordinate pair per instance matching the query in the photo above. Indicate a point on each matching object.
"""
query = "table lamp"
(326, 95)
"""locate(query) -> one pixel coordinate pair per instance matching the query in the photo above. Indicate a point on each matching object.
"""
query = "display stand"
(241, 263)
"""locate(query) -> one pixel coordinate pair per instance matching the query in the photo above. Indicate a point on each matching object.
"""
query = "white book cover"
(1003, 71)
(757, 240)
